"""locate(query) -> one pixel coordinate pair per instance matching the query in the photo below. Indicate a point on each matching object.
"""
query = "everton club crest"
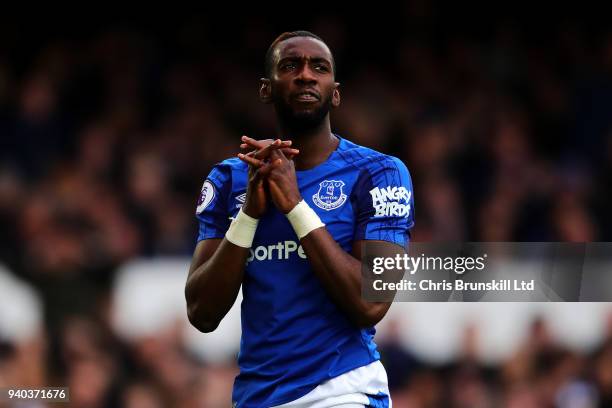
(330, 195)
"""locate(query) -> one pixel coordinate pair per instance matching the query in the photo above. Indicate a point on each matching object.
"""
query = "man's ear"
(336, 95)
(265, 91)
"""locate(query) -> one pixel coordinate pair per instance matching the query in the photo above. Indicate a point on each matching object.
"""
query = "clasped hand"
(271, 175)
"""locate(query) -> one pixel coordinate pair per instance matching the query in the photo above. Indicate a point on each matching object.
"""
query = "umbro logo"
(240, 200)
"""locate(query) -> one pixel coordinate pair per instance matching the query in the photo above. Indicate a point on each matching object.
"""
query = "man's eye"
(321, 68)
(288, 66)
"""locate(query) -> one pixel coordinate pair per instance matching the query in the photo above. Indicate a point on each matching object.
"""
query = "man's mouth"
(306, 96)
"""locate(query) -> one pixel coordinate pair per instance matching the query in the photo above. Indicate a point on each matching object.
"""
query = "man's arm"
(340, 275)
(213, 282)
(217, 268)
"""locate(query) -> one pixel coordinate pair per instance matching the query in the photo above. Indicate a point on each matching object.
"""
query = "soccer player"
(287, 221)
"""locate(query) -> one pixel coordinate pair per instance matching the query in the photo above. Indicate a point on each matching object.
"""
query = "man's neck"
(315, 145)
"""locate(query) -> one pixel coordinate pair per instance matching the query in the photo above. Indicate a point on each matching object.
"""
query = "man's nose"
(306, 75)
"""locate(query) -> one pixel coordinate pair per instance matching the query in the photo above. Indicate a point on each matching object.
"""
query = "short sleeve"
(384, 202)
(211, 210)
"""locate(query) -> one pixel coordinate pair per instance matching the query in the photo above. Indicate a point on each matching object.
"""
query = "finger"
(285, 150)
(265, 170)
(276, 146)
(278, 154)
(250, 160)
(284, 144)
(255, 176)
(259, 144)
(282, 155)
(265, 152)
(247, 139)
(262, 142)
(245, 146)
(290, 152)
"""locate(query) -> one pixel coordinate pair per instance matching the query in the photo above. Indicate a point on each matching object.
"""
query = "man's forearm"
(340, 275)
(212, 287)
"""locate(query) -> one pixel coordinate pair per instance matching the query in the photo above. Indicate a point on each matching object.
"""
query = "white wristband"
(303, 219)
(242, 230)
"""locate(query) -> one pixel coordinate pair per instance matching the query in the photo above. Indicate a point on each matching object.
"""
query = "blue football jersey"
(293, 336)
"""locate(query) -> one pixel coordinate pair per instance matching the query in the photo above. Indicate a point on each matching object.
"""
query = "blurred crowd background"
(109, 126)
